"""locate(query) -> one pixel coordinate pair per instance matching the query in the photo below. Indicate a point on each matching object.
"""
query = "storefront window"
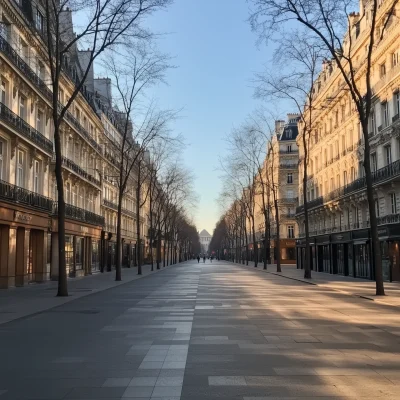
(79, 253)
(69, 253)
(95, 255)
(362, 261)
(326, 259)
(385, 260)
(350, 259)
(340, 259)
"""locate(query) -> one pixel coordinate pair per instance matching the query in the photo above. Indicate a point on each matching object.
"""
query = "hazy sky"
(216, 56)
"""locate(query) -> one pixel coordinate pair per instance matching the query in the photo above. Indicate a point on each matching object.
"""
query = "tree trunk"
(266, 239)
(158, 247)
(376, 248)
(247, 244)
(164, 252)
(138, 241)
(278, 241)
(62, 267)
(255, 245)
(118, 269)
(307, 264)
(151, 230)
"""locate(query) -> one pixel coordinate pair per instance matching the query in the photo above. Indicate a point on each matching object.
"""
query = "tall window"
(393, 203)
(382, 70)
(2, 151)
(39, 21)
(289, 194)
(289, 177)
(397, 103)
(290, 231)
(20, 168)
(22, 107)
(373, 124)
(395, 59)
(36, 176)
(74, 195)
(3, 91)
(40, 122)
(24, 51)
(5, 29)
(388, 154)
(68, 193)
(385, 114)
(374, 165)
(377, 207)
(345, 178)
(61, 96)
(289, 148)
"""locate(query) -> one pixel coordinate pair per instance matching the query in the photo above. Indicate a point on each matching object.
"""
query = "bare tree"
(296, 84)
(134, 70)
(106, 24)
(330, 21)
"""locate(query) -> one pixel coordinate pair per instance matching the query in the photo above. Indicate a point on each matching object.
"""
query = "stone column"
(38, 256)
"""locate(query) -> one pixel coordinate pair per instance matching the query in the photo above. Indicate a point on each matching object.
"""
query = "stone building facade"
(337, 202)
(28, 190)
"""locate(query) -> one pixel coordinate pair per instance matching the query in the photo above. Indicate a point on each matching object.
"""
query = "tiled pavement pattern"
(205, 331)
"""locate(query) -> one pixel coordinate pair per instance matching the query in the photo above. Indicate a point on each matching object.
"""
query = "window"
(344, 178)
(338, 180)
(373, 124)
(74, 196)
(5, 29)
(2, 156)
(388, 154)
(68, 193)
(374, 165)
(24, 51)
(40, 122)
(61, 96)
(289, 194)
(397, 103)
(377, 207)
(382, 70)
(289, 177)
(343, 112)
(289, 148)
(22, 107)
(343, 143)
(395, 59)
(289, 134)
(3, 91)
(39, 21)
(385, 114)
(290, 231)
(36, 176)
(393, 203)
(20, 168)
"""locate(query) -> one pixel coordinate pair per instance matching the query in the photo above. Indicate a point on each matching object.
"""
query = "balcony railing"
(287, 200)
(389, 171)
(19, 195)
(110, 204)
(389, 219)
(294, 152)
(287, 215)
(10, 118)
(28, 73)
(110, 228)
(79, 214)
(288, 166)
(66, 162)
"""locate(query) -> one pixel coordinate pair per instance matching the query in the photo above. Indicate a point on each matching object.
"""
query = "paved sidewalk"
(20, 302)
(352, 286)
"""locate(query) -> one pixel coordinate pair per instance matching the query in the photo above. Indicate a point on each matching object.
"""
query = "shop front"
(323, 254)
(341, 246)
(23, 244)
(389, 237)
(81, 249)
(362, 254)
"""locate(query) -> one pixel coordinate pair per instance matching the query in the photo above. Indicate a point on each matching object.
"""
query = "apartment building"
(281, 180)
(28, 190)
(336, 187)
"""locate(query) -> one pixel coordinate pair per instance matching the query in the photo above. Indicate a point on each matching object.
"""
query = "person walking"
(198, 258)
(204, 258)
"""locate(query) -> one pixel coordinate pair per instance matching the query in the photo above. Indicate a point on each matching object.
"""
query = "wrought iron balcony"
(288, 166)
(79, 214)
(66, 162)
(389, 219)
(21, 196)
(28, 73)
(24, 68)
(110, 204)
(287, 200)
(381, 175)
(110, 228)
(15, 121)
(294, 152)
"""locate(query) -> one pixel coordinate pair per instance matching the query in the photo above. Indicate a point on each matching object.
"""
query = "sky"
(216, 57)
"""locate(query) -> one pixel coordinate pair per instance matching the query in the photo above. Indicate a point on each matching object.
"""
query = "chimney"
(279, 124)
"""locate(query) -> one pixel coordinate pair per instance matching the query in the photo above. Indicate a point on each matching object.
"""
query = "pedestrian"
(211, 257)
(198, 258)
(204, 258)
